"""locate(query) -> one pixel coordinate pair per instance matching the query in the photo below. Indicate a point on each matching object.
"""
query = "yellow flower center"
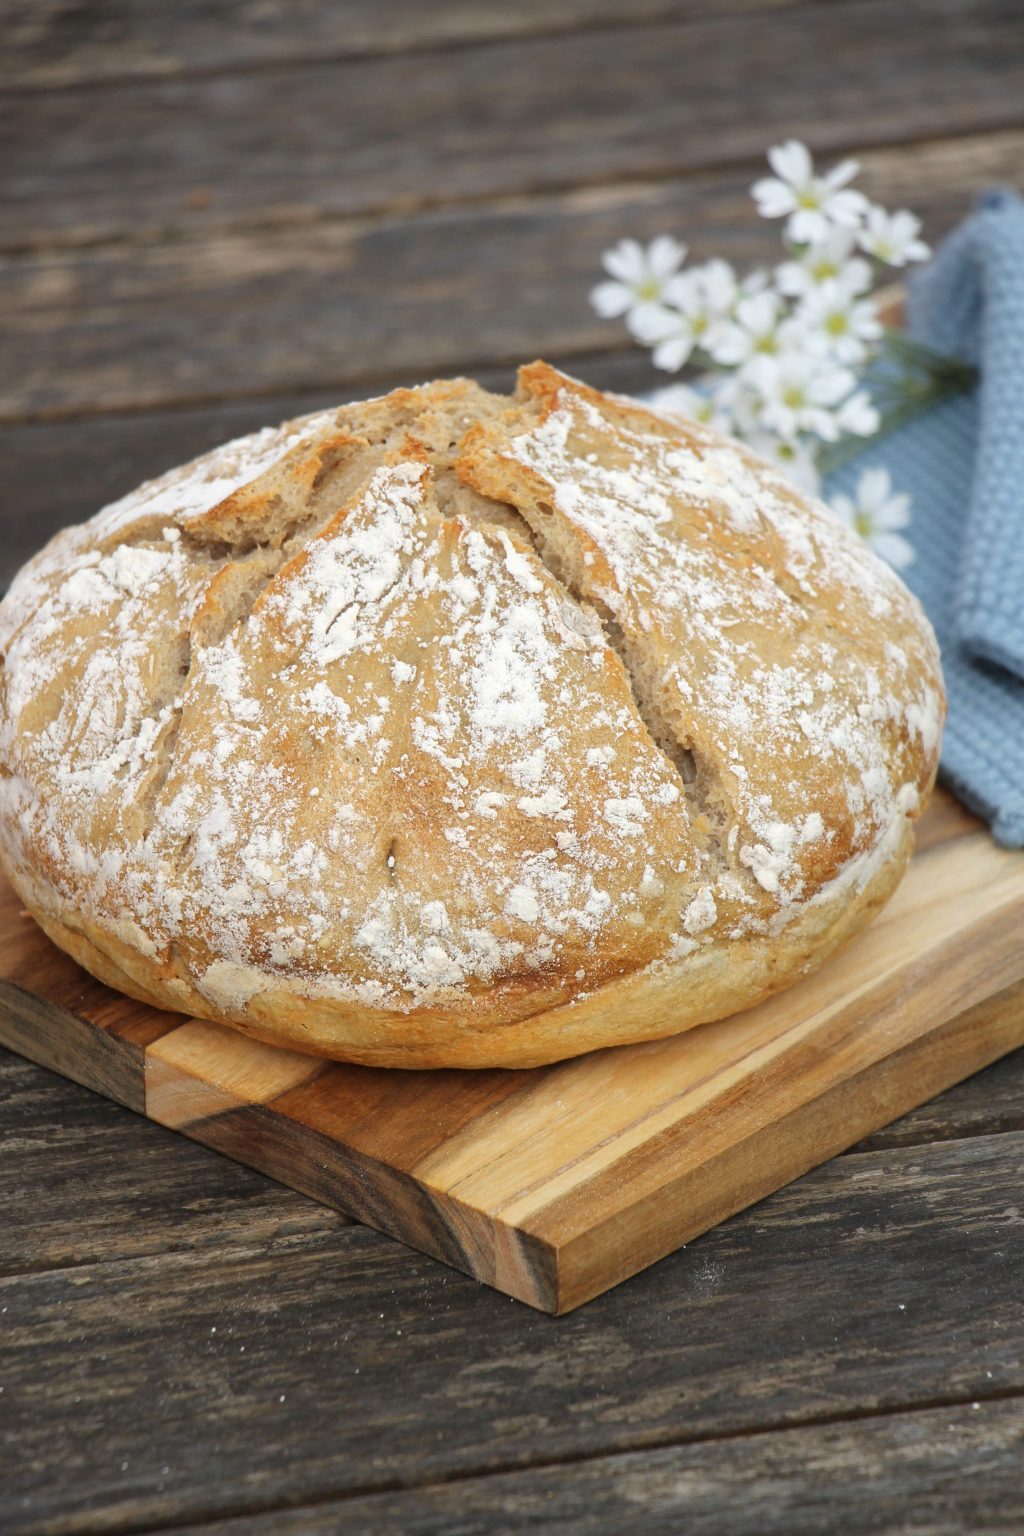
(862, 523)
(649, 289)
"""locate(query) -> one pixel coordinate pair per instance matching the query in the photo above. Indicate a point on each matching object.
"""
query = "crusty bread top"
(791, 665)
(450, 701)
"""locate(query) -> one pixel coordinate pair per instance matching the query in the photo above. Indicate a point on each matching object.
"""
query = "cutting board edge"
(478, 1244)
(113, 1067)
(578, 1280)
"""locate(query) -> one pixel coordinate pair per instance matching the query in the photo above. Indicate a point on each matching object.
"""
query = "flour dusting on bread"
(448, 728)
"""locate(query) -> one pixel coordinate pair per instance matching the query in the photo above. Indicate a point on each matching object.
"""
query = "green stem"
(924, 359)
(910, 398)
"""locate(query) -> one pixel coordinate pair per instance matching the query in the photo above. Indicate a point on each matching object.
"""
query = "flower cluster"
(782, 351)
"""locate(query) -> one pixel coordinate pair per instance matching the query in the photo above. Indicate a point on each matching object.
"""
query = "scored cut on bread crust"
(449, 729)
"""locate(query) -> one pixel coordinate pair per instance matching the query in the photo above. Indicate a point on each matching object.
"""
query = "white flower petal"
(892, 237)
(855, 275)
(896, 514)
(773, 198)
(865, 319)
(687, 294)
(876, 499)
(611, 299)
(893, 547)
(757, 312)
(762, 373)
(718, 282)
(903, 226)
(847, 208)
(844, 509)
(873, 488)
(755, 281)
(840, 174)
(876, 512)
(704, 404)
(793, 279)
(653, 322)
(792, 162)
(819, 422)
(850, 350)
(806, 226)
(626, 262)
(679, 400)
(797, 336)
(672, 353)
(830, 385)
(730, 345)
(858, 416)
(665, 256)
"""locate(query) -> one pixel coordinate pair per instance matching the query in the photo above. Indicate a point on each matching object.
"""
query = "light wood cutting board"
(556, 1183)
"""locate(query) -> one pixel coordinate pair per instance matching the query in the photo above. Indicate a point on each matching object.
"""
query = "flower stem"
(924, 379)
(919, 356)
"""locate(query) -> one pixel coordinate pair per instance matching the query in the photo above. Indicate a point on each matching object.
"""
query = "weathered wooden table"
(219, 215)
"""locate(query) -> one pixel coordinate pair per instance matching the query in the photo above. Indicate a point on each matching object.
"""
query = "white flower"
(705, 404)
(825, 260)
(892, 237)
(876, 513)
(794, 460)
(638, 275)
(691, 314)
(811, 204)
(719, 286)
(744, 405)
(799, 393)
(760, 324)
(671, 333)
(844, 324)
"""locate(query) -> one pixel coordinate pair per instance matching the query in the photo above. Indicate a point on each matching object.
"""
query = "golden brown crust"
(449, 730)
(644, 1005)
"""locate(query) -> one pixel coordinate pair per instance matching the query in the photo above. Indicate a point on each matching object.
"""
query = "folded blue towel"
(963, 464)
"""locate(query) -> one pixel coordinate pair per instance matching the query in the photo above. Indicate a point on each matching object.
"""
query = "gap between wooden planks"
(555, 1184)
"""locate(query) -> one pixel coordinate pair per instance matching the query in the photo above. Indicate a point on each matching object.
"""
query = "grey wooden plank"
(290, 145)
(303, 1367)
(939, 1472)
(345, 304)
(61, 42)
(83, 1180)
(122, 327)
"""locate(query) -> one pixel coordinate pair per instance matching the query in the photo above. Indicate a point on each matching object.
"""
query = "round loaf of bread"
(451, 729)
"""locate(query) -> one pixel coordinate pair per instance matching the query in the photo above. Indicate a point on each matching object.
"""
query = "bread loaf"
(450, 729)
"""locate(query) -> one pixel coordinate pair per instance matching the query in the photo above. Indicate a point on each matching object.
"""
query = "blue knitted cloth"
(963, 464)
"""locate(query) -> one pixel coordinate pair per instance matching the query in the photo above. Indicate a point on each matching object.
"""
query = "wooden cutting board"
(556, 1183)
